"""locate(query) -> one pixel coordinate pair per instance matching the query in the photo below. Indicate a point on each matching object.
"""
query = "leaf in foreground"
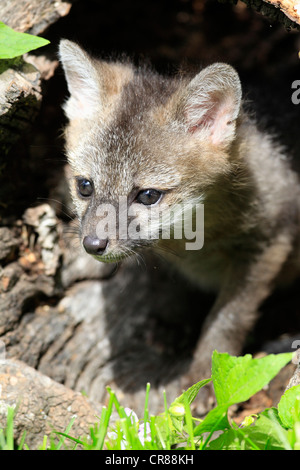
(236, 379)
(265, 434)
(14, 43)
(177, 407)
(289, 407)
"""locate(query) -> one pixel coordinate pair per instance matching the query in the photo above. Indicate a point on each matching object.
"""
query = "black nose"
(94, 246)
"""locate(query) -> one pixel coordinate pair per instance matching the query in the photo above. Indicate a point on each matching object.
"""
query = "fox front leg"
(236, 308)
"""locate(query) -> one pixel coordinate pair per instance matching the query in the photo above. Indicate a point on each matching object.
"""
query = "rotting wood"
(20, 81)
(32, 16)
(20, 97)
(286, 12)
(291, 8)
(41, 405)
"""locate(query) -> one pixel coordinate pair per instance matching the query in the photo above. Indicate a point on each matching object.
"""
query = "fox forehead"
(131, 148)
(118, 161)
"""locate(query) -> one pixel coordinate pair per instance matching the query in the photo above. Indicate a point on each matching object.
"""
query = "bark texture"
(286, 12)
(32, 16)
(290, 8)
(20, 81)
(20, 97)
(41, 405)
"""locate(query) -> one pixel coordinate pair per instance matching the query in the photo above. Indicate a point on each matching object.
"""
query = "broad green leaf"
(289, 407)
(236, 379)
(14, 44)
(228, 440)
(215, 420)
(265, 434)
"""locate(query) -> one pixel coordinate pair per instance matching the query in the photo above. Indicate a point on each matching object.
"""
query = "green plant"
(14, 44)
(235, 379)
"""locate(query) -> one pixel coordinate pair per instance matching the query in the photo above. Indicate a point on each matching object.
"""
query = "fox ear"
(82, 80)
(211, 103)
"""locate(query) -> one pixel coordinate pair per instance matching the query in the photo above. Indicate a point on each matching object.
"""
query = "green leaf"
(289, 407)
(177, 407)
(265, 434)
(215, 420)
(231, 439)
(14, 44)
(236, 379)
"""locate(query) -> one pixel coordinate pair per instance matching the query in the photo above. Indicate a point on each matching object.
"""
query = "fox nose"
(94, 246)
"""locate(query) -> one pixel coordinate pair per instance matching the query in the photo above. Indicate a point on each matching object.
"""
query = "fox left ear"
(211, 103)
(82, 80)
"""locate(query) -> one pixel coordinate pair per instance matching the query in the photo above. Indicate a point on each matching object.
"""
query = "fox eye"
(84, 187)
(149, 197)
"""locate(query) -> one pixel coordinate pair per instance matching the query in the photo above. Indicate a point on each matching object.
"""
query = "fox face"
(144, 149)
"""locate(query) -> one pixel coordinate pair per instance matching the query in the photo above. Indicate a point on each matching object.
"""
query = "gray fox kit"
(140, 144)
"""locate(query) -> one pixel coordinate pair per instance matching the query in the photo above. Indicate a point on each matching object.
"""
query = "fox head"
(140, 144)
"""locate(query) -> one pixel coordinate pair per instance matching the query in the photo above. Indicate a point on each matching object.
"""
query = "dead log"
(20, 81)
(286, 12)
(41, 405)
(32, 16)
(290, 8)
(20, 97)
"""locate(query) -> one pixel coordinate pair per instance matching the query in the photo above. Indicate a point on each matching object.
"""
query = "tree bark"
(32, 16)
(20, 81)
(42, 405)
(290, 8)
(286, 12)
(20, 98)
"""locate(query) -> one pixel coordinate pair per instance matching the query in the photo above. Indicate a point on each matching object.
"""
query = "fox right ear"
(210, 104)
(82, 79)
